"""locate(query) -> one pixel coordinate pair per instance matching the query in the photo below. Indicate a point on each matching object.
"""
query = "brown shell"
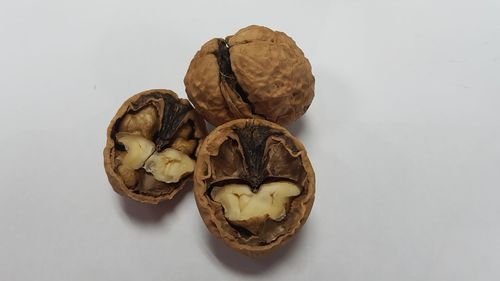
(256, 73)
(254, 151)
(152, 191)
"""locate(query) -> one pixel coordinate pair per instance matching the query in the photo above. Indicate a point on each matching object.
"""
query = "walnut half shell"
(151, 146)
(255, 73)
(253, 184)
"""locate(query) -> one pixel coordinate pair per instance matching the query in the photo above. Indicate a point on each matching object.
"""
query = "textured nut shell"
(273, 71)
(109, 153)
(270, 68)
(214, 218)
(203, 85)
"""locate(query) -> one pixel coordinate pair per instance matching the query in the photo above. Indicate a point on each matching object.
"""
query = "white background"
(404, 135)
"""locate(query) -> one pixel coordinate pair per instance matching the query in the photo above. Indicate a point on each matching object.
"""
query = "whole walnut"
(256, 73)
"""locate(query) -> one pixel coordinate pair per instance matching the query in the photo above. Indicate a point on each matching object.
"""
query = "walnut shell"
(153, 122)
(252, 152)
(256, 73)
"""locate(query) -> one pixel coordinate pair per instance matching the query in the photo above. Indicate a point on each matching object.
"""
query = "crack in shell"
(226, 72)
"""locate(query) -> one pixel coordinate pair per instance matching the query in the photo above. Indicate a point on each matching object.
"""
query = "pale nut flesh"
(240, 203)
(167, 166)
(138, 149)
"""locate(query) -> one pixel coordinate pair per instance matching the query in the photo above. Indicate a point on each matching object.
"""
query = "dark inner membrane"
(173, 115)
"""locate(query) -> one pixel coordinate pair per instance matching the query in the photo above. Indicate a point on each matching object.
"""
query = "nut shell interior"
(151, 146)
(254, 185)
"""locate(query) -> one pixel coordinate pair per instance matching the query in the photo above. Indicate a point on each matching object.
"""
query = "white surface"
(404, 136)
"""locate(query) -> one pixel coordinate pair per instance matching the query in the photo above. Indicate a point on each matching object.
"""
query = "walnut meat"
(253, 184)
(151, 146)
(256, 73)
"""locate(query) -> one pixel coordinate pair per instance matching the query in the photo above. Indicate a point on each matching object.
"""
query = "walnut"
(151, 146)
(256, 73)
(253, 184)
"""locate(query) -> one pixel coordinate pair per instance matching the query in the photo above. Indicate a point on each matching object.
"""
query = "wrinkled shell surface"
(253, 152)
(256, 73)
(158, 116)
